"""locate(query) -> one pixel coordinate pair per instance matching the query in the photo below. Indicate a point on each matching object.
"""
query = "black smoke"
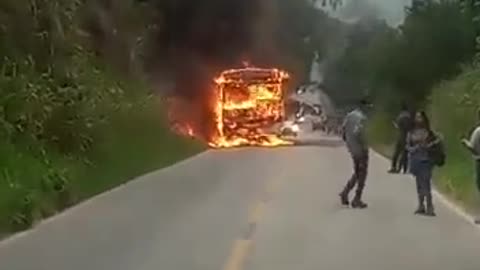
(193, 40)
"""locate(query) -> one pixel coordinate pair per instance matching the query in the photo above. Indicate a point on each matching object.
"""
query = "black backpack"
(437, 152)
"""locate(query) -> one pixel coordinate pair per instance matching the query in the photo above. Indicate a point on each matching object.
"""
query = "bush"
(453, 110)
(134, 142)
(37, 181)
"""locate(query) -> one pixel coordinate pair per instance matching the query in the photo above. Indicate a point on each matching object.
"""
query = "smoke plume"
(196, 39)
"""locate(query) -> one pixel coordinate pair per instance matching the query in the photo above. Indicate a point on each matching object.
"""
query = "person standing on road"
(354, 129)
(420, 141)
(473, 144)
(403, 123)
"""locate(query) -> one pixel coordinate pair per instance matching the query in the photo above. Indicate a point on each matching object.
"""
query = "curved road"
(250, 209)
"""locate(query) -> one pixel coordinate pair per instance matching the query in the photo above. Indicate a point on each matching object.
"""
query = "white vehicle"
(290, 127)
(314, 110)
(312, 117)
(313, 95)
(304, 119)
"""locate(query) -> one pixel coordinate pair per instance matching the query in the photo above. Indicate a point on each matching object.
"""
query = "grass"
(132, 148)
(35, 185)
(453, 108)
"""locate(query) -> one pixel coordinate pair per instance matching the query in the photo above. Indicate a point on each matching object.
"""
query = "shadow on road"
(319, 142)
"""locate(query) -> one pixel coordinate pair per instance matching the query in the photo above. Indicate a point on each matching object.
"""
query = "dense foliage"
(405, 63)
(68, 122)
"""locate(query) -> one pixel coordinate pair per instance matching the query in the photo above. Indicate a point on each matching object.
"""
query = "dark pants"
(477, 174)
(477, 180)
(400, 155)
(422, 170)
(359, 177)
(423, 179)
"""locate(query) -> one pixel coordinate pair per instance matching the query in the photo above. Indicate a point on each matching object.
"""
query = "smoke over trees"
(192, 40)
(181, 43)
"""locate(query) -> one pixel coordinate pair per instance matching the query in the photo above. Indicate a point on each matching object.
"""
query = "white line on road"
(445, 201)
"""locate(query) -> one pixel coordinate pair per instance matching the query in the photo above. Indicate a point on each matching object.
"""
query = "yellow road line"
(271, 187)
(256, 212)
(242, 247)
(239, 254)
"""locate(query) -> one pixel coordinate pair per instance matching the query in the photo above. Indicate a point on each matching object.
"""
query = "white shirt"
(474, 142)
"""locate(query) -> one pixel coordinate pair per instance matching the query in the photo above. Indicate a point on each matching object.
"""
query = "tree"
(472, 10)
(405, 63)
(441, 44)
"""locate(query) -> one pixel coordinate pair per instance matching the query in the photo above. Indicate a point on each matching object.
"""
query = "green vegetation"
(453, 109)
(70, 126)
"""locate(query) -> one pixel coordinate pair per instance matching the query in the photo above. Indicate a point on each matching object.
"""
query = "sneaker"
(420, 211)
(430, 209)
(430, 213)
(344, 199)
(477, 221)
(393, 171)
(359, 204)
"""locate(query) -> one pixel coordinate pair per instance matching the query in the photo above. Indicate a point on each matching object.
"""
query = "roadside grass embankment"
(63, 143)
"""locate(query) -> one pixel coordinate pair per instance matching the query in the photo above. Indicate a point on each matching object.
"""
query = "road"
(250, 209)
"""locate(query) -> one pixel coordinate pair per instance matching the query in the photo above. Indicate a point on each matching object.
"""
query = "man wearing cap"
(354, 135)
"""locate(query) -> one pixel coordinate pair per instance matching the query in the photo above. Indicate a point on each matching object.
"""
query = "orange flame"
(246, 102)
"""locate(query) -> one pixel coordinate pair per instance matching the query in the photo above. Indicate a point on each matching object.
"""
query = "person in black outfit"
(404, 124)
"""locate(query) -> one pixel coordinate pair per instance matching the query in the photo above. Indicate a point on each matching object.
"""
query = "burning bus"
(247, 102)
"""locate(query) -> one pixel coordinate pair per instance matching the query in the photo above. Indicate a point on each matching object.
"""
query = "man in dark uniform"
(403, 123)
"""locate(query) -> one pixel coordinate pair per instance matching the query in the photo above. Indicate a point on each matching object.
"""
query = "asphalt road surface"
(251, 209)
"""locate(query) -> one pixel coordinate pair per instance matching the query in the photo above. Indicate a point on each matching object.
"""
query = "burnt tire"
(287, 132)
(316, 126)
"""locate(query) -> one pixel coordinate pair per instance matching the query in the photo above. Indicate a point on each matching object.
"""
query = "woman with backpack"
(425, 151)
